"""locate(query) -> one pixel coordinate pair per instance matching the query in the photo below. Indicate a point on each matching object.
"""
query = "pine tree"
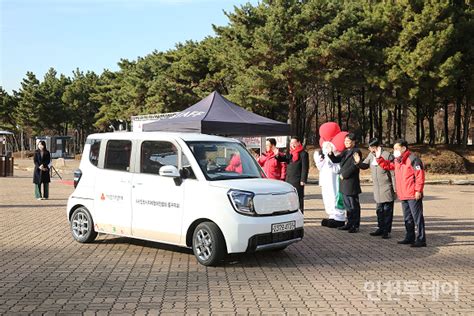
(28, 114)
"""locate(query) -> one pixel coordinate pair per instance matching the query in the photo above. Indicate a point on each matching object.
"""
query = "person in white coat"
(329, 183)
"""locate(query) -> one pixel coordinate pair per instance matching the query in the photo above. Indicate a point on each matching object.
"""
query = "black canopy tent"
(216, 115)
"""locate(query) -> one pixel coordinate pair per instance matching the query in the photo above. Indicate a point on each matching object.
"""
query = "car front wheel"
(208, 244)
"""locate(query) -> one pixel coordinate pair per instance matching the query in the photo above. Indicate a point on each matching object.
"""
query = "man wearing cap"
(410, 181)
(384, 194)
(350, 182)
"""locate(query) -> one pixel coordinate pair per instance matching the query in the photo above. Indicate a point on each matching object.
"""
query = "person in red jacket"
(409, 181)
(273, 169)
(235, 164)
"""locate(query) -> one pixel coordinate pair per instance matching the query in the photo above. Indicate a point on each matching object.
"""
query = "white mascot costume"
(331, 139)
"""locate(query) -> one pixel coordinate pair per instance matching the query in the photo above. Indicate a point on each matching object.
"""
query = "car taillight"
(77, 177)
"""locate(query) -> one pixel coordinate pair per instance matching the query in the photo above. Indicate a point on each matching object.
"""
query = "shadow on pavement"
(143, 243)
(330, 246)
(336, 247)
(323, 246)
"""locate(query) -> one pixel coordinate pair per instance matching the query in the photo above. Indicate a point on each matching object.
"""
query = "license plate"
(283, 227)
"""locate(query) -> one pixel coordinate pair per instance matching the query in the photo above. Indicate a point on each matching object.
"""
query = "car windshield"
(225, 160)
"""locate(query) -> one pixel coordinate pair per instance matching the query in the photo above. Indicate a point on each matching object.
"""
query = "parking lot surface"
(44, 271)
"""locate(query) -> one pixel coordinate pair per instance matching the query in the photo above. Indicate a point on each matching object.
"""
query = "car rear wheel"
(82, 226)
(208, 244)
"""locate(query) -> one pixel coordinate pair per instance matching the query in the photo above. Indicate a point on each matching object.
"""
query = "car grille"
(269, 238)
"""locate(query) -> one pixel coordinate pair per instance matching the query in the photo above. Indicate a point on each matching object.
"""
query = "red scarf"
(295, 153)
(269, 154)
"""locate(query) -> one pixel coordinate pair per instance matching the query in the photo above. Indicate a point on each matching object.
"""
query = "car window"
(155, 154)
(94, 152)
(224, 160)
(117, 155)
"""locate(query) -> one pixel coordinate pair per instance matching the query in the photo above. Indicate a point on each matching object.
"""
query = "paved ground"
(42, 270)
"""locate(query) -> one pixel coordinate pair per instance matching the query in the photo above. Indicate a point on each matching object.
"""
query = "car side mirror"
(169, 171)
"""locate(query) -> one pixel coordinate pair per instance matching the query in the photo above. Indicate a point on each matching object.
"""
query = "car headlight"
(242, 201)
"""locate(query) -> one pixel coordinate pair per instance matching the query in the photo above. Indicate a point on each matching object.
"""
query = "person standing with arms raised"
(384, 194)
(350, 182)
(410, 182)
(297, 167)
(273, 168)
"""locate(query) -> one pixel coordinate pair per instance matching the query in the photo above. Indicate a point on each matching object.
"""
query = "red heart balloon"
(338, 141)
(328, 130)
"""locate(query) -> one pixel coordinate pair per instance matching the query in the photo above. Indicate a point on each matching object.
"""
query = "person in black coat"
(297, 168)
(42, 160)
(350, 182)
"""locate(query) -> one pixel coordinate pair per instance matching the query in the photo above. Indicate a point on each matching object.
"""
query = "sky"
(96, 34)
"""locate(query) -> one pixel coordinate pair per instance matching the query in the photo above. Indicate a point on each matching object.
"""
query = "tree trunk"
(404, 116)
(467, 121)
(401, 121)
(389, 127)
(316, 123)
(326, 101)
(395, 118)
(333, 105)
(418, 123)
(432, 128)
(380, 121)
(292, 107)
(302, 111)
(364, 122)
(371, 121)
(83, 140)
(431, 114)
(457, 121)
(339, 109)
(298, 123)
(17, 142)
(446, 123)
(348, 113)
(375, 113)
(312, 104)
(422, 129)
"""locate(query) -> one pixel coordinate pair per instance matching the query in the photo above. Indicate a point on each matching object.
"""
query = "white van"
(191, 190)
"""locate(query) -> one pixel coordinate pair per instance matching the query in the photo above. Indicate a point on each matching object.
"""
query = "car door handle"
(138, 183)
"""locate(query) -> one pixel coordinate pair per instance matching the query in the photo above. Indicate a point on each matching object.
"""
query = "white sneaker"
(39, 199)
